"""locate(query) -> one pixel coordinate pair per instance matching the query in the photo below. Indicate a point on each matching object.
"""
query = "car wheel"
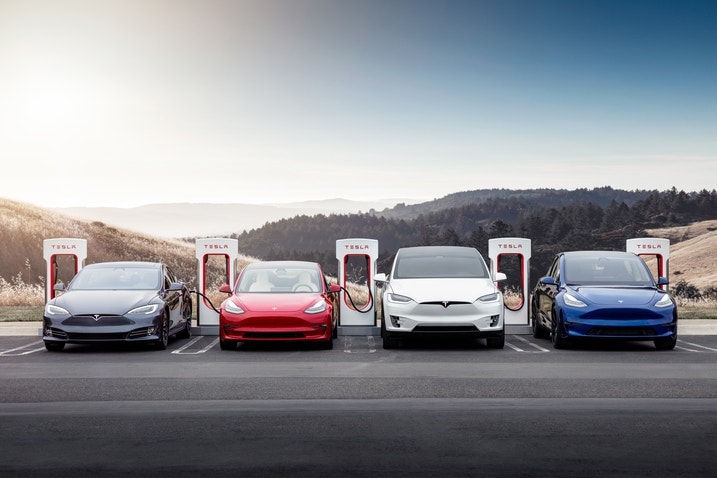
(497, 342)
(666, 344)
(559, 342)
(54, 346)
(163, 339)
(389, 342)
(227, 344)
(186, 332)
(538, 331)
(328, 344)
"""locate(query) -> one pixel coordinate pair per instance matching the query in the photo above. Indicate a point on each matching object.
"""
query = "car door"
(173, 299)
(546, 292)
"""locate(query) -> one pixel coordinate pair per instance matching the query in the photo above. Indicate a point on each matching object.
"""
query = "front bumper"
(625, 323)
(481, 320)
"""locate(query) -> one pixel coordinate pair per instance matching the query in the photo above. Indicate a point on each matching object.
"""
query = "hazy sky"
(124, 103)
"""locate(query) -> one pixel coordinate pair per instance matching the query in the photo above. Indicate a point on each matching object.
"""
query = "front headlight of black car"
(144, 310)
(51, 310)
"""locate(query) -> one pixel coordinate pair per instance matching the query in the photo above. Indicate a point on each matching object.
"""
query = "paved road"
(428, 409)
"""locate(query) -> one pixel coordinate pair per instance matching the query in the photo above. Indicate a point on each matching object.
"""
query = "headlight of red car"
(319, 306)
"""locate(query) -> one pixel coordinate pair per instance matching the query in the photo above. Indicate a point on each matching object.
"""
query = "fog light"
(494, 320)
(395, 321)
(151, 330)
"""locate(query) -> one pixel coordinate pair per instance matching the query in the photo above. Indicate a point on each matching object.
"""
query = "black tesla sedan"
(118, 302)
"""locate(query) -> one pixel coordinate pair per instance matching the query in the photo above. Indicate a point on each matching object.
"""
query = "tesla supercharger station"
(653, 247)
(55, 248)
(516, 308)
(357, 264)
(206, 248)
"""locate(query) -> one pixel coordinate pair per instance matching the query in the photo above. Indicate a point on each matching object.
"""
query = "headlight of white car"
(144, 310)
(494, 297)
(573, 301)
(398, 298)
(55, 310)
(664, 301)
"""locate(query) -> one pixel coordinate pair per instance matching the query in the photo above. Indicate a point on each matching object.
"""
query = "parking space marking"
(370, 345)
(694, 345)
(538, 348)
(7, 353)
(181, 350)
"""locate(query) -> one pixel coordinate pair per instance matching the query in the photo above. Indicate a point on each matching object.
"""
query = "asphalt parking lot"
(428, 408)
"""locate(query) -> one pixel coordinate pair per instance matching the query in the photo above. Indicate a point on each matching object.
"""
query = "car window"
(280, 280)
(439, 266)
(601, 270)
(116, 278)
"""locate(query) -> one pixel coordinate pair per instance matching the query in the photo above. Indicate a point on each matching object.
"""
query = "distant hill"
(693, 253)
(183, 220)
(24, 227)
(553, 219)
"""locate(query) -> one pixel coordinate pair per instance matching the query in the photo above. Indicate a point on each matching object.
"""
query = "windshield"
(113, 278)
(626, 270)
(280, 280)
(439, 266)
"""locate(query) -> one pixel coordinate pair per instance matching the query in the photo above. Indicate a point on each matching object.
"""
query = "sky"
(132, 102)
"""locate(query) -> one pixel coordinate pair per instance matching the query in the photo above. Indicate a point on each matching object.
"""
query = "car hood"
(430, 290)
(291, 302)
(618, 296)
(110, 302)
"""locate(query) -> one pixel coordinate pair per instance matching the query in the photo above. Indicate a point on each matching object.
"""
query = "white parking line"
(180, 351)
(517, 349)
(697, 345)
(686, 349)
(7, 353)
(536, 346)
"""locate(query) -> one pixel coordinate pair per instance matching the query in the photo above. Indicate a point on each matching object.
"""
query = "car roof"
(438, 250)
(143, 264)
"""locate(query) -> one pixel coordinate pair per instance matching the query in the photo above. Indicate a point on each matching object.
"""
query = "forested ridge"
(554, 220)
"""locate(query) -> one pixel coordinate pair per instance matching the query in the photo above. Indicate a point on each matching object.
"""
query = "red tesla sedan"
(279, 301)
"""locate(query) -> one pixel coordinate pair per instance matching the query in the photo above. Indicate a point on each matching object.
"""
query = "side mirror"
(225, 289)
(500, 276)
(662, 281)
(59, 287)
(380, 278)
(175, 286)
(547, 280)
(334, 288)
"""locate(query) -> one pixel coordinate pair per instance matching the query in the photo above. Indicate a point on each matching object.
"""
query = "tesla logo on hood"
(445, 304)
(620, 301)
(97, 317)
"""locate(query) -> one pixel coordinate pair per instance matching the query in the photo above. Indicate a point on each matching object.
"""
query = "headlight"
(144, 310)
(494, 297)
(55, 310)
(319, 306)
(573, 301)
(232, 308)
(664, 301)
(398, 298)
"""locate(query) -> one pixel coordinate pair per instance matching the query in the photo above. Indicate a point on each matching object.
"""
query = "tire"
(328, 344)
(54, 346)
(227, 345)
(497, 342)
(186, 332)
(389, 342)
(559, 342)
(666, 344)
(163, 339)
